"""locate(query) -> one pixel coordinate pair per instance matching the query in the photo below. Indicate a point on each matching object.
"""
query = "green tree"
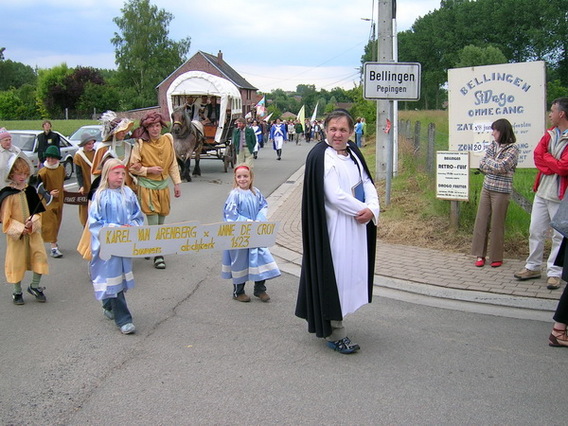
(523, 30)
(15, 74)
(275, 111)
(331, 105)
(97, 98)
(51, 96)
(61, 88)
(341, 95)
(144, 53)
(19, 104)
(472, 56)
(279, 99)
(9, 105)
(554, 89)
(363, 108)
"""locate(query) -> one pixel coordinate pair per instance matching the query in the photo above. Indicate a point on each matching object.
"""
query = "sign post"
(398, 81)
(387, 82)
(480, 95)
(452, 181)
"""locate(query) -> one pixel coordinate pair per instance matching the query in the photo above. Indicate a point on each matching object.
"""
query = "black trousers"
(561, 314)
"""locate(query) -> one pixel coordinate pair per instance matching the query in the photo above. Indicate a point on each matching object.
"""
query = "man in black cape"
(318, 298)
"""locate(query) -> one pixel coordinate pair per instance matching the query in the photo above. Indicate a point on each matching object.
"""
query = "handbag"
(560, 220)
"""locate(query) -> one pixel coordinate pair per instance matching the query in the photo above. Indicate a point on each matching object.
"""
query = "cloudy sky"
(273, 44)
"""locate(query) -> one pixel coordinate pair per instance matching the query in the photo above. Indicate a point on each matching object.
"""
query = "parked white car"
(95, 130)
(26, 140)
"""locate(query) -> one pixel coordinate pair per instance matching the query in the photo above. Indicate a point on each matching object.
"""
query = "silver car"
(95, 130)
(26, 140)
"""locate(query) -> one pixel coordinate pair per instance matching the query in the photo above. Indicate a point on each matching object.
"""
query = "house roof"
(227, 71)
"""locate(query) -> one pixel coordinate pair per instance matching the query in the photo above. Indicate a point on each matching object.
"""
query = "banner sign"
(75, 198)
(452, 175)
(478, 96)
(184, 238)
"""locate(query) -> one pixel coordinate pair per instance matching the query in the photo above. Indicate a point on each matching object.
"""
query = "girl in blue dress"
(246, 204)
(113, 204)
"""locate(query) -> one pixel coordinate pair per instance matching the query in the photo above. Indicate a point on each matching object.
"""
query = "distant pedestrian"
(46, 139)
(265, 132)
(244, 142)
(308, 131)
(20, 209)
(291, 130)
(340, 210)
(299, 129)
(278, 135)
(258, 133)
(114, 204)
(358, 133)
(246, 203)
(498, 165)
(316, 131)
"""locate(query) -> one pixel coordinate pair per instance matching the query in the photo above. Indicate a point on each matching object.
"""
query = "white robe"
(348, 238)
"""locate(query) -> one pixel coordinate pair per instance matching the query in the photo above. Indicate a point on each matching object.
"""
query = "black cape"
(35, 206)
(318, 300)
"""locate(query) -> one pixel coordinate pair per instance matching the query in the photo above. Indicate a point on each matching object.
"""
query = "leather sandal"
(159, 262)
(560, 341)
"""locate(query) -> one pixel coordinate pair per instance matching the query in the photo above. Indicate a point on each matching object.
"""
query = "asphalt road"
(199, 357)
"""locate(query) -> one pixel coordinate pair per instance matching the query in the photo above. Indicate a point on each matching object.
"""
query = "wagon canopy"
(198, 83)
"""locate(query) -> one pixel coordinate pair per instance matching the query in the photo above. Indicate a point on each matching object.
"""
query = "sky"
(273, 44)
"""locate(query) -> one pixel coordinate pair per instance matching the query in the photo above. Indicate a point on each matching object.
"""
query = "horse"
(188, 139)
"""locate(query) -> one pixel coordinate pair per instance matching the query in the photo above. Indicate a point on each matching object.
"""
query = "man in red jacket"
(551, 160)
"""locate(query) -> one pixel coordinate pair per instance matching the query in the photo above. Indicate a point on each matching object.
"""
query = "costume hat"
(12, 160)
(112, 125)
(4, 133)
(86, 138)
(150, 118)
(53, 152)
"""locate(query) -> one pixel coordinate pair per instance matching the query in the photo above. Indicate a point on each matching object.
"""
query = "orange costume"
(153, 190)
(84, 160)
(23, 253)
(51, 217)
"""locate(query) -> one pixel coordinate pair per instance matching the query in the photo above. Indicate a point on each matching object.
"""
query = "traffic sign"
(398, 81)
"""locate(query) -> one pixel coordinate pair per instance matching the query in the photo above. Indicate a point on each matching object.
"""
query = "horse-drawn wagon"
(203, 108)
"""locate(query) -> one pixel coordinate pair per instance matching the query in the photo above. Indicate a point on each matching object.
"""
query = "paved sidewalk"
(415, 269)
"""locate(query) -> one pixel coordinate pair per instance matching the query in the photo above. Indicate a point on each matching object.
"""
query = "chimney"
(220, 56)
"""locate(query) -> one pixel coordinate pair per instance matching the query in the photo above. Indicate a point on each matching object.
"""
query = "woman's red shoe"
(480, 262)
(496, 264)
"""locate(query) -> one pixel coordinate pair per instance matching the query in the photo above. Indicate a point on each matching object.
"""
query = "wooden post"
(431, 147)
(454, 215)
(417, 136)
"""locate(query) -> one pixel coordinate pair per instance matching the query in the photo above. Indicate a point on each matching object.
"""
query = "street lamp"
(372, 38)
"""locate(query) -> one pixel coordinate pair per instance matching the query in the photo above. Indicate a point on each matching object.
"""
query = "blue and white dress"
(254, 264)
(112, 207)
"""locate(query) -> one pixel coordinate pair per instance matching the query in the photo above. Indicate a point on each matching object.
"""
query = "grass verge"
(416, 217)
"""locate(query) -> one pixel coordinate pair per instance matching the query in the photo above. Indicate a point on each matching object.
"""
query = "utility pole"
(384, 146)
